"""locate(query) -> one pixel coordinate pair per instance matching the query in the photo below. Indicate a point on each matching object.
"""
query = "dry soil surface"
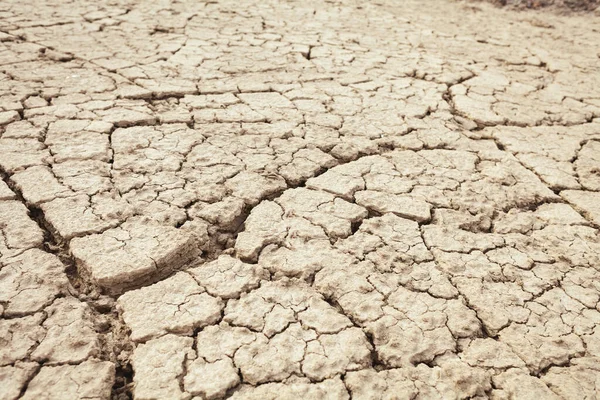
(298, 200)
(560, 6)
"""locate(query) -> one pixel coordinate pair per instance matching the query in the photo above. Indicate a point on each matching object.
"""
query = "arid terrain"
(560, 6)
(298, 200)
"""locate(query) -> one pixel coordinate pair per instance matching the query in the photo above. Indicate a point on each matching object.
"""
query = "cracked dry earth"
(298, 200)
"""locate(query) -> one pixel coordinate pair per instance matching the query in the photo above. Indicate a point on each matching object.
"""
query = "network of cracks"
(316, 200)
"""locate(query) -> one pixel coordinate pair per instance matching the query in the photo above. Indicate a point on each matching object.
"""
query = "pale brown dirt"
(298, 200)
(554, 5)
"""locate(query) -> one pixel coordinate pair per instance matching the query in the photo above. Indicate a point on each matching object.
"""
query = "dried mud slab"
(31, 281)
(88, 380)
(134, 254)
(340, 200)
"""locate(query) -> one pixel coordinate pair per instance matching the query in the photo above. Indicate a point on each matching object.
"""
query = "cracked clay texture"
(205, 200)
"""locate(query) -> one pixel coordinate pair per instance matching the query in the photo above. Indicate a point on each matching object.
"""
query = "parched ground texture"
(298, 200)
(561, 6)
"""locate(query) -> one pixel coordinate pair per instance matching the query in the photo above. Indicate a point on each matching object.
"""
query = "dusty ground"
(298, 200)
(560, 6)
